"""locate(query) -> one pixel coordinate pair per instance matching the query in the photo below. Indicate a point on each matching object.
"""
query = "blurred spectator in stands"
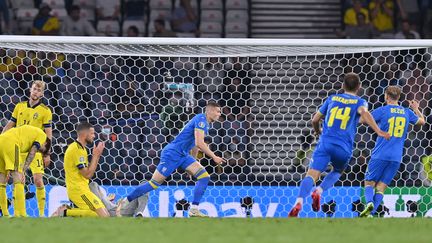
(382, 17)
(425, 174)
(363, 29)
(134, 9)
(304, 154)
(417, 87)
(161, 31)
(132, 31)
(73, 25)
(406, 32)
(4, 18)
(44, 23)
(183, 18)
(409, 10)
(173, 117)
(351, 14)
(108, 9)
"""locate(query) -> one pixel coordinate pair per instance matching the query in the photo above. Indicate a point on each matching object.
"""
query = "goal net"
(140, 92)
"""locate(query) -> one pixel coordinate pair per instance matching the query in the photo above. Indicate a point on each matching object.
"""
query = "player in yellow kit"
(78, 172)
(34, 113)
(24, 139)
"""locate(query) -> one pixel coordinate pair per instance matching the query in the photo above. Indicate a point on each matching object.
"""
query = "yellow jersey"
(25, 137)
(76, 158)
(39, 116)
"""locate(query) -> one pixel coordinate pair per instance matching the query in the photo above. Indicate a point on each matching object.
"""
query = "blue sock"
(306, 187)
(377, 201)
(369, 194)
(143, 189)
(329, 180)
(203, 179)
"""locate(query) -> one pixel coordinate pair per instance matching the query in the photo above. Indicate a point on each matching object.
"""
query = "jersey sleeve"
(47, 120)
(324, 106)
(40, 139)
(413, 118)
(15, 114)
(201, 124)
(80, 161)
(75, 157)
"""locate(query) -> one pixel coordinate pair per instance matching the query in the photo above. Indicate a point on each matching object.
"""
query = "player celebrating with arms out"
(177, 154)
(341, 113)
(387, 155)
(34, 113)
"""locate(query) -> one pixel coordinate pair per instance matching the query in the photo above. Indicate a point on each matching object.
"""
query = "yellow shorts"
(9, 158)
(85, 199)
(37, 165)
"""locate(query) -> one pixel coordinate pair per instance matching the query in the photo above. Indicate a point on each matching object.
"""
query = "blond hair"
(39, 83)
(393, 92)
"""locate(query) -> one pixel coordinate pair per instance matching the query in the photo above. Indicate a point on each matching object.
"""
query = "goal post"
(139, 92)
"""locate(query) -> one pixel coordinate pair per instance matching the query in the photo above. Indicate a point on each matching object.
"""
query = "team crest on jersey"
(35, 116)
(201, 124)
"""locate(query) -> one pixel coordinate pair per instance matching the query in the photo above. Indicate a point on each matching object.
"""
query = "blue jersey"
(185, 140)
(341, 119)
(395, 120)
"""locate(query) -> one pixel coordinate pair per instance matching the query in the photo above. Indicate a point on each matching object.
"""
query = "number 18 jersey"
(341, 119)
(395, 120)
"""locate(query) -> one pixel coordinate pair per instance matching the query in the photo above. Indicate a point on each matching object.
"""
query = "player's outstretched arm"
(316, 123)
(199, 141)
(367, 118)
(89, 171)
(8, 126)
(46, 158)
(415, 107)
(194, 152)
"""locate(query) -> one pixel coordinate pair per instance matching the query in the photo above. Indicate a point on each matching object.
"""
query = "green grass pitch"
(87, 230)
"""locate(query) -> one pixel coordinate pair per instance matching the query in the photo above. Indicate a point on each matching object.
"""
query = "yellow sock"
(19, 200)
(3, 200)
(40, 196)
(77, 212)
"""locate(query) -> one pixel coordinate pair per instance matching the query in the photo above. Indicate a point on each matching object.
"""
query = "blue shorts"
(326, 153)
(171, 160)
(381, 170)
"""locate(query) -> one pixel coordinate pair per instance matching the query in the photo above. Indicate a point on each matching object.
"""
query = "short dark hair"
(134, 29)
(212, 104)
(160, 21)
(351, 82)
(83, 126)
(74, 7)
(393, 92)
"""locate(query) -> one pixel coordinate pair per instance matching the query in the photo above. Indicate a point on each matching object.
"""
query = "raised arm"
(89, 171)
(415, 107)
(200, 144)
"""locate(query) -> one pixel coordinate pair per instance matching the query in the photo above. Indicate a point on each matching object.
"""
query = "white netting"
(139, 96)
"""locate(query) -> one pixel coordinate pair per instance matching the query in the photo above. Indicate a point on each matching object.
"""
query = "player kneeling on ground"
(23, 139)
(78, 172)
(134, 209)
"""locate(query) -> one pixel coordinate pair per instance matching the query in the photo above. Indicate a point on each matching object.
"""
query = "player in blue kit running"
(387, 155)
(341, 113)
(178, 154)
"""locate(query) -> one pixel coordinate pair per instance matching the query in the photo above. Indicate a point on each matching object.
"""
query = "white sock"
(299, 200)
(193, 206)
(319, 190)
